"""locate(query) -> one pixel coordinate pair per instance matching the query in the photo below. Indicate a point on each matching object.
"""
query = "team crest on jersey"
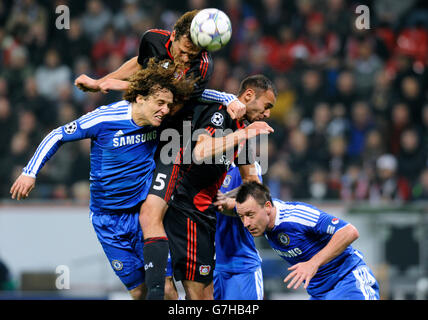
(284, 239)
(204, 270)
(217, 119)
(117, 265)
(70, 128)
(227, 180)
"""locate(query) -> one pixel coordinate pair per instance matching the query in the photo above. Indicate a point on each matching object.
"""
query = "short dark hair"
(258, 191)
(156, 76)
(182, 25)
(259, 83)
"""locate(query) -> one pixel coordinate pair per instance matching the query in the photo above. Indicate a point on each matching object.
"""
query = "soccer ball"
(211, 29)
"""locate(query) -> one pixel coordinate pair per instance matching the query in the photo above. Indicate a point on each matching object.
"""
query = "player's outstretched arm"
(22, 187)
(207, 147)
(113, 81)
(235, 108)
(304, 271)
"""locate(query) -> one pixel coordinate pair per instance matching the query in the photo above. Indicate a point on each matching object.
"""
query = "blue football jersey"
(121, 155)
(235, 247)
(300, 232)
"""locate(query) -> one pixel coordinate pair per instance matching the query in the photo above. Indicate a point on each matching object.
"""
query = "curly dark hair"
(182, 25)
(156, 76)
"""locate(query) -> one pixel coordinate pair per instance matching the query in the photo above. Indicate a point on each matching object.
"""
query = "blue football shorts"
(122, 240)
(358, 284)
(238, 286)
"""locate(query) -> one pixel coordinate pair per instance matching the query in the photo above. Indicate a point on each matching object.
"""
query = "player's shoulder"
(115, 111)
(216, 113)
(294, 211)
(156, 35)
(118, 106)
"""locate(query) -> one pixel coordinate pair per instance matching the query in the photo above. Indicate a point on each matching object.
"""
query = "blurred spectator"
(374, 147)
(95, 19)
(322, 43)
(319, 188)
(412, 157)
(361, 123)
(26, 13)
(318, 134)
(310, 92)
(220, 74)
(366, 65)
(281, 180)
(338, 159)
(284, 100)
(346, 92)
(388, 186)
(33, 101)
(380, 98)
(128, 18)
(411, 94)
(337, 17)
(73, 43)
(355, 184)
(36, 42)
(51, 75)
(7, 125)
(400, 120)
(17, 71)
(420, 189)
(299, 160)
(272, 14)
(109, 44)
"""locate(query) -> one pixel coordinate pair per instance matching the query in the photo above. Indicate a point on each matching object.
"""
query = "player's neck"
(272, 218)
(137, 116)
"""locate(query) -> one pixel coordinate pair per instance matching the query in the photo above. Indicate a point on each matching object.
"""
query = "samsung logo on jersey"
(136, 138)
(292, 253)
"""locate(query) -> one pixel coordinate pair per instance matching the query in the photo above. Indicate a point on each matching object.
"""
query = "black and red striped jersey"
(198, 184)
(157, 43)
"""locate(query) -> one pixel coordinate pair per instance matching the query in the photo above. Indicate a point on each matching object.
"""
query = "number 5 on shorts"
(159, 181)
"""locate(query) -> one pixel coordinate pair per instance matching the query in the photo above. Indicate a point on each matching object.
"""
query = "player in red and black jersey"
(191, 217)
(194, 64)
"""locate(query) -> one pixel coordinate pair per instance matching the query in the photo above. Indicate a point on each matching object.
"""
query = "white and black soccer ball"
(211, 29)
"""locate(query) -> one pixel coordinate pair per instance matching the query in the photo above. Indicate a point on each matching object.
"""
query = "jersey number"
(160, 181)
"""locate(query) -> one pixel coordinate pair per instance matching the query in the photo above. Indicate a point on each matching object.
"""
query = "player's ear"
(172, 36)
(249, 95)
(139, 98)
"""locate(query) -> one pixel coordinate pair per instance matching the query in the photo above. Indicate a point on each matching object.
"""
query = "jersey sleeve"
(75, 130)
(328, 224)
(210, 95)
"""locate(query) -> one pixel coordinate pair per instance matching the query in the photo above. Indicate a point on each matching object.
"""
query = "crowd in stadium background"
(351, 119)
